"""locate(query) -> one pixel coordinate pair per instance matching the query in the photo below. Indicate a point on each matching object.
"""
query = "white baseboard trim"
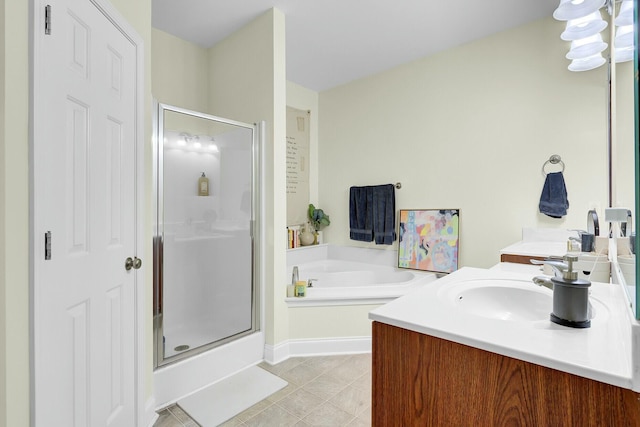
(150, 415)
(274, 354)
(316, 347)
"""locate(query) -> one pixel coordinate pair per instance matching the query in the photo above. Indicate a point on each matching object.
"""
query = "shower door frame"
(159, 361)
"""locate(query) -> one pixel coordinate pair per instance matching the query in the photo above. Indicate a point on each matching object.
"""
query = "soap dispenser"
(570, 295)
(203, 185)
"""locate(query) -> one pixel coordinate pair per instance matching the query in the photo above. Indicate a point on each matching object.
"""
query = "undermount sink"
(511, 300)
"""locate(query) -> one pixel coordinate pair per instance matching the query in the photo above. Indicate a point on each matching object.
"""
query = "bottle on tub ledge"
(203, 185)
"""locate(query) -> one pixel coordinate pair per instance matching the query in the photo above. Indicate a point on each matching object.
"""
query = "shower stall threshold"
(180, 379)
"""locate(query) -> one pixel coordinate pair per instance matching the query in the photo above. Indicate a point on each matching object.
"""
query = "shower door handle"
(134, 262)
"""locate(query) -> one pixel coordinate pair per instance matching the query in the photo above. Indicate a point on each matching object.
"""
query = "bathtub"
(352, 276)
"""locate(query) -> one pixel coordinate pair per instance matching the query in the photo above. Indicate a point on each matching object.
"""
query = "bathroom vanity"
(455, 353)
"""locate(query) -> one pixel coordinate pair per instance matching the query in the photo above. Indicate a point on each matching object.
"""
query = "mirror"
(624, 174)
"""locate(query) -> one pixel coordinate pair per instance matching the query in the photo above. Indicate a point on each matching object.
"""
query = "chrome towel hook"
(554, 160)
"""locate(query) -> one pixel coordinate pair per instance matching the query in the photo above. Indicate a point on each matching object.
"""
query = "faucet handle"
(310, 283)
(561, 269)
(569, 273)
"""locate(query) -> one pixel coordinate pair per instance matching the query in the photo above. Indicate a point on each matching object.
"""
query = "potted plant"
(318, 220)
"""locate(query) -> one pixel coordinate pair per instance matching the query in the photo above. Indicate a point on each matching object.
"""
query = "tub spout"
(294, 275)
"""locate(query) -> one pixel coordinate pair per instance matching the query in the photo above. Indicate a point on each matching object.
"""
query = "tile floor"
(323, 391)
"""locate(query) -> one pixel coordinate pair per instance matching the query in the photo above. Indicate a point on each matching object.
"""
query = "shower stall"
(205, 264)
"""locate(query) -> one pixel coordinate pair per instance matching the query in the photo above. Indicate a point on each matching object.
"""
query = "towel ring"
(554, 160)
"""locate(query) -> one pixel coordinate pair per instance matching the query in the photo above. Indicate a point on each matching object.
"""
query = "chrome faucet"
(571, 305)
(559, 268)
(294, 275)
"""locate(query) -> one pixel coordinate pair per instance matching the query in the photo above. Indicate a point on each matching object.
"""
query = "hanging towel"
(553, 200)
(361, 214)
(384, 214)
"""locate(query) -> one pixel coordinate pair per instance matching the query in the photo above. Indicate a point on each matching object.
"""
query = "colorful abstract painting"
(429, 240)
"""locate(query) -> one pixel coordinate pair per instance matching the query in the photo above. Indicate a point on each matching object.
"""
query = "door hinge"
(47, 245)
(47, 19)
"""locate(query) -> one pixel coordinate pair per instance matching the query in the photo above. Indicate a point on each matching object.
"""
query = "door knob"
(134, 263)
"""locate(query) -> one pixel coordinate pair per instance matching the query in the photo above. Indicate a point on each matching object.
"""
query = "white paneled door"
(84, 218)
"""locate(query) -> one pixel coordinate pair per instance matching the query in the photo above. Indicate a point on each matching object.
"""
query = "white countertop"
(539, 249)
(601, 352)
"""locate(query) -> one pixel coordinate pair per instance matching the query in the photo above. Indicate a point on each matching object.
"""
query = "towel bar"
(554, 160)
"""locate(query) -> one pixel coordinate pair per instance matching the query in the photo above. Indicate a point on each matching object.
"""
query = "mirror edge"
(636, 85)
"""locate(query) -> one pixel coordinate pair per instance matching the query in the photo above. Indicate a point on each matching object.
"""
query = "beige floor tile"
(352, 400)
(273, 416)
(359, 422)
(326, 363)
(233, 422)
(253, 411)
(363, 382)
(365, 414)
(301, 374)
(166, 419)
(324, 391)
(179, 413)
(328, 415)
(281, 367)
(325, 386)
(353, 368)
(300, 403)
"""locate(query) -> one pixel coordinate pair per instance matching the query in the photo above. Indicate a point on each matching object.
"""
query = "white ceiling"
(332, 42)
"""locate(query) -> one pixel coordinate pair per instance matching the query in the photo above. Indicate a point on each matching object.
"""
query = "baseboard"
(274, 354)
(150, 415)
(316, 347)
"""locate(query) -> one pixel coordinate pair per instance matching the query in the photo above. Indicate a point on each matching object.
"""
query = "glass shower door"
(204, 290)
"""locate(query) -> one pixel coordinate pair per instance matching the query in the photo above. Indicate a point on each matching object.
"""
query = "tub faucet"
(310, 283)
(294, 275)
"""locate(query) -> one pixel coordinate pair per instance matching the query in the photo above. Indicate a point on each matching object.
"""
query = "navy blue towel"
(553, 200)
(360, 214)
(372, 211)
(384, 214)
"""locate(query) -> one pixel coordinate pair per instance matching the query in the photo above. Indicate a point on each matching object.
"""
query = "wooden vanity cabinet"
(420, 380)
(520, 259)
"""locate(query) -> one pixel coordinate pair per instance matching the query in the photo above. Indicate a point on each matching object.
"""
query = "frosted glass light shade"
(574, 9)
(624, 36)
(586, 47)
(584, 27)
(624, 54)
(625, 16)
(586, 64)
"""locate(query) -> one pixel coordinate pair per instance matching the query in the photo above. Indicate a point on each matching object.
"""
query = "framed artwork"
(429, 239)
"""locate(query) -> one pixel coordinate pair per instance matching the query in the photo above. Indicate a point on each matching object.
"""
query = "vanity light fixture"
(584, 24)
(574, 9)
(196, 142)
(625, 16)
(184, 137)
(212, 146)
(624, 36)
(584, 27)
(586, 47)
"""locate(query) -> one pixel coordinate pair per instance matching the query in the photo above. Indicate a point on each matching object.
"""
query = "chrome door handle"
(134, 263)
